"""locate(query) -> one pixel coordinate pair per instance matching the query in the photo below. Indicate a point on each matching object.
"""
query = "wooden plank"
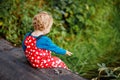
(14, 66)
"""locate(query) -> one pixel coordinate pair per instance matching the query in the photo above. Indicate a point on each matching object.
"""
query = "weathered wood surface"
(14, 66)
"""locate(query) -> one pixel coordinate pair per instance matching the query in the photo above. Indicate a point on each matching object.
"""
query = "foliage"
(16, 19)
(94, 31)
(108, 72)
(88, 28)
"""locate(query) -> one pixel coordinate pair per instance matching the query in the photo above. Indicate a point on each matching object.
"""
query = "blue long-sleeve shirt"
(45, 42)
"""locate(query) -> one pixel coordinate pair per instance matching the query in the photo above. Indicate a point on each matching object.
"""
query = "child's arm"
(46, 43)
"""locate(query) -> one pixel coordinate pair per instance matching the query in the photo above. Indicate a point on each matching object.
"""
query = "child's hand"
(68, 53)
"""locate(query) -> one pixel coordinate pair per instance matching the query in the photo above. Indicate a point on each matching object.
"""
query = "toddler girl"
(37, 46)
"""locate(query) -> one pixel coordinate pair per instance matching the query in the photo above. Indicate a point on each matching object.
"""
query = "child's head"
(42, 22)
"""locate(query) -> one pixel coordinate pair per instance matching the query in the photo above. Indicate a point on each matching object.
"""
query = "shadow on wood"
(14, 66)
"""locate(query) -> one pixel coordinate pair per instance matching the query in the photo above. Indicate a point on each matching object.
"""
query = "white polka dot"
(40, 54)
(26, 41)
(36, 65)
(44, 61)
(31, 60)
(44, 54)
(56, 61)
(53, 63)
(33, 38)
(31, 53)
(36, 52)
(27, 55)
(32, 57)
(38, 57)
(51, 58)
(46, 64)
(32, 44)
(46, 51)
(48, 60)
(33, 50)
(59, 60)
(33, 64)
(26, 51)
(41, 64)
(35, 60)
(28, 46)
(38, 61)
(29, 40)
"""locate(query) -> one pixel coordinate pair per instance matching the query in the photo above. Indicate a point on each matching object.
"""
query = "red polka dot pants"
(41, 58)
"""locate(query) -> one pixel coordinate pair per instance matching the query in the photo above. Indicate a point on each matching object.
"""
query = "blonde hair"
(42, 21)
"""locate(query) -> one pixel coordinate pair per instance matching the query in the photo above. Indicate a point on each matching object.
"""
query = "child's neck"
(37, 33)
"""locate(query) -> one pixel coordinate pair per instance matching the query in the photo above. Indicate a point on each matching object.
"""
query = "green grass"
(90, 51)
(89, 29)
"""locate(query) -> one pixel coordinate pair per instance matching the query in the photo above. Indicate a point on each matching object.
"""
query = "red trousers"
(41, 58)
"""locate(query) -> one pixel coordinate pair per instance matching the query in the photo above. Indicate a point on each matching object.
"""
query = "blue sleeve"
(46, 43)
(23, 46)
